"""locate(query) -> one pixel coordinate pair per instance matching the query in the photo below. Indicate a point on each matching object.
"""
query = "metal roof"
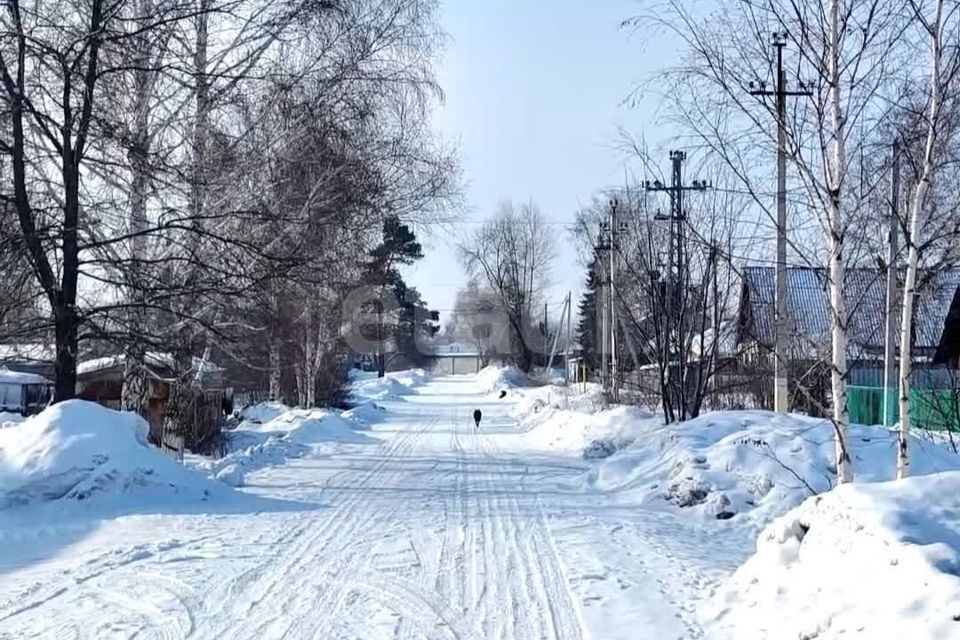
(808, 305)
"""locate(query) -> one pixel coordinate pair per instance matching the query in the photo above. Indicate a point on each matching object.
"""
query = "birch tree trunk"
(275, 373)
(133, 393)
(917, 223)
(835, 244)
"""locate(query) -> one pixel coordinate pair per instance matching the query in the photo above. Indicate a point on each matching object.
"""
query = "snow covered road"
(438, 530)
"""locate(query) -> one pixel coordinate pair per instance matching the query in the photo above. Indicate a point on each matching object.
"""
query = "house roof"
(163, 361)
(808, 305)
(17, 377)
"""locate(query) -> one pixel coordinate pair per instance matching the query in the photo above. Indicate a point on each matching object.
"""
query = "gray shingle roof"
(808, 305)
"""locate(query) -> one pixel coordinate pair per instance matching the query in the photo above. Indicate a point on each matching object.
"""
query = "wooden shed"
(101, 380)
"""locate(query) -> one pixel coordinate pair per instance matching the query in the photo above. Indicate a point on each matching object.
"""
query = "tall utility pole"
(564, 317)
(781, 389)
(890, 345)
(546, 332)
(614, 383)
(602, 305)
(676, 276)
(608, 242)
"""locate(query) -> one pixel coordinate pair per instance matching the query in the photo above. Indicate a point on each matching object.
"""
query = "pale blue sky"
(534, 96)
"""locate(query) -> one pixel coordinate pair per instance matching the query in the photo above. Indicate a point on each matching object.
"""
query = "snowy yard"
(399, 519)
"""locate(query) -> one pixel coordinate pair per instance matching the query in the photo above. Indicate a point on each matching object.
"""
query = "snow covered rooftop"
(152, 358)
(809, 308)
(17, 377)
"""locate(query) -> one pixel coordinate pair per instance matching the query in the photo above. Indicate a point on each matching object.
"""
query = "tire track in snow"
(541, 589)
(270, 585)
(354, 555)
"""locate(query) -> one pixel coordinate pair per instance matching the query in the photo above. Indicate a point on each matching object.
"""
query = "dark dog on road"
(476, 417)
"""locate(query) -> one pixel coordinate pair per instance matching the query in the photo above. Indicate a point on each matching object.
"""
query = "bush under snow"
(77, 449)
(866, 560)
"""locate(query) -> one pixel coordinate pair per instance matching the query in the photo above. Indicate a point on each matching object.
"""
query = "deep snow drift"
(865, 560)
(874, 560)
(77, 449)
(366, 384)
(285, 433)
(721, 464)
(497, 379)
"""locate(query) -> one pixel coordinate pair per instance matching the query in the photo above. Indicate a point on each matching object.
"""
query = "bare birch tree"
(844, 51)
(512, 254)
(940, 28)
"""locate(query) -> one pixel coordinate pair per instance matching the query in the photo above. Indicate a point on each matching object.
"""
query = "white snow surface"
(263, 411)
(391, 386)
(864, 561)
(78, 449)
(495, 379)
(289, 433)
(751, 462)
(400, 519)
(19, 377)
(9, 419)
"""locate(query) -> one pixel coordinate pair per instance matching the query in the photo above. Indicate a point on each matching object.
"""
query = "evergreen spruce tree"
(587, 323)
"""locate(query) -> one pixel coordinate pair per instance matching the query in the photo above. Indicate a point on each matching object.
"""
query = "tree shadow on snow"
(34, 533)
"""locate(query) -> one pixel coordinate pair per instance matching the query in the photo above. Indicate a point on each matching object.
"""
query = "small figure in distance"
(476, 417)
(503, 394)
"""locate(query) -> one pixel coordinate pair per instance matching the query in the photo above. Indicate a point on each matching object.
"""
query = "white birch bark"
(275, 373)
(835, 244)
(916, 225)
(133, 393)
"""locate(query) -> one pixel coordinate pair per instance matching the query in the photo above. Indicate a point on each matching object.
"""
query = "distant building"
(28, 357)
(935, 350)
(936, 334)
(23, 393)
(455, 358)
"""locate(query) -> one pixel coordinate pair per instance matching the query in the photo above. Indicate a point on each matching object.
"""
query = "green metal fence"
(937, 409)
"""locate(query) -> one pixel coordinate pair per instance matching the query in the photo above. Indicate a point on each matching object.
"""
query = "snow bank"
(365, 414)
(726, 463)
(496, 379)
(8, 419)
(293, 433)
(76, 449)
(263, 412)
(865, 560)
(573, 420)
(391, 386)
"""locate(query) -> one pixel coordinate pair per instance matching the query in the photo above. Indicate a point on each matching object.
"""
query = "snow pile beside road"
(292, 434)
(78, 449)
(365, 414)
(866, 561)
(263, 412)
(365, 385)
(497, 379)
(8, 419)
(727, 463)
(572, 420)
